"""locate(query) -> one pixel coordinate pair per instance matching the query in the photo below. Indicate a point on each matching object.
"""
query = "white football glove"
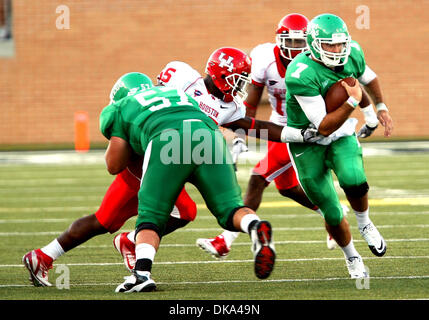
(310, 134)
(238, 146)
(366, 131)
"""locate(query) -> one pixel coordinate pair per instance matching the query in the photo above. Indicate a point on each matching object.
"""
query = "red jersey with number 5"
(180, 75)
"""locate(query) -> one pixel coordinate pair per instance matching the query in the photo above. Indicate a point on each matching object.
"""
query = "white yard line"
(221, 261)
(236, 281)
(44, 233)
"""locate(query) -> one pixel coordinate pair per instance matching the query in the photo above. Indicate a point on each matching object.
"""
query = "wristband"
(381, 106)
(352, 102)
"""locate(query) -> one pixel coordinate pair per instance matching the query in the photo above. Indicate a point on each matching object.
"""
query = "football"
(337, 94)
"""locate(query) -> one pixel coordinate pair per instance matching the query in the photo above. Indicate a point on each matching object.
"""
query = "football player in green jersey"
(332, 57)
(118, 205)
(178, 140)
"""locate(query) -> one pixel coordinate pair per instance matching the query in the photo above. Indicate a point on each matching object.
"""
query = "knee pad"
(357, 191)
(229, 223)
(149, 226)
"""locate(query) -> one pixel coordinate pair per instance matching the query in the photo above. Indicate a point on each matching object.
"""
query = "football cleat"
(215, 246)
(330, 242)
(356, 268)
(263, 249)
(137, 282)
(127, 249)
(375, 241)
(38, 264)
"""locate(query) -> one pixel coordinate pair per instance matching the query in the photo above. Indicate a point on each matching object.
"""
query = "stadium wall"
(59, 68)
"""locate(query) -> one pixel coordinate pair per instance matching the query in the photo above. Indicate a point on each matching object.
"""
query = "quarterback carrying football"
(333, 56)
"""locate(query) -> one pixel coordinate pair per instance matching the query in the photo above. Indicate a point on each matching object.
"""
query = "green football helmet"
(330, 29)
(128, 84)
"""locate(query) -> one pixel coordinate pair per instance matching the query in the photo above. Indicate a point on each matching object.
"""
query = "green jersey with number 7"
(309, 78)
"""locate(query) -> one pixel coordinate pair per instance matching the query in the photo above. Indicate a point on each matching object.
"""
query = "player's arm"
(254, 94)
(372, 84)
(118, 155)
(326, 123)
(273, 132)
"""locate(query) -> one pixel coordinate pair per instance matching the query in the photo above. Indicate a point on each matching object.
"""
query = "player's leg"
(157, 195)
(346, 160)
(267, 169)
(109, 217)
(288, 186)
(317, 182)
(185, 211)
(218, 185)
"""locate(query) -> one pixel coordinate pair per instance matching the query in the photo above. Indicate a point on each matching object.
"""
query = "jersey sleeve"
(238, 114)
(258, 73)
(110, 126)
(178, 75)
(359, 57)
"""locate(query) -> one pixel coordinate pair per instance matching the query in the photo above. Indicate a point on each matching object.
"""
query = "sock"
(131, 236)
(53, 249)
(229, 237)
(246, 220)
(362, 218)
(349, 250)
(145, 254)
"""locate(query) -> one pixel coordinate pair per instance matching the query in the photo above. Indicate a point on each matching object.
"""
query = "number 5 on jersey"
(165, 76)
(300, 68)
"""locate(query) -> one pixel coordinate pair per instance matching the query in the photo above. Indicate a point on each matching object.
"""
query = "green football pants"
(195, 154)
(313, 164)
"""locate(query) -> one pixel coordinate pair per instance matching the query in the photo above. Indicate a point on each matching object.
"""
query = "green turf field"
(39, 201)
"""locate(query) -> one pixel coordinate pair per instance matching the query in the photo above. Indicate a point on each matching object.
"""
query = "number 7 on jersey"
(300, 68)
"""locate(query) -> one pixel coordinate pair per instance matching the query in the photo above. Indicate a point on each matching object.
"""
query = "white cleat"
(137, 283)
(356, 268)
(215, 246)
(38, 265)
(330, 242)
(375, 241)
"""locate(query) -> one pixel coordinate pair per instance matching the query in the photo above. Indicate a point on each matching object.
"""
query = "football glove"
(238, 146)
(310, 134)
(366, 131)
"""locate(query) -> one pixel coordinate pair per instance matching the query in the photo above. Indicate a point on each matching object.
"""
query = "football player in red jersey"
(119, 204)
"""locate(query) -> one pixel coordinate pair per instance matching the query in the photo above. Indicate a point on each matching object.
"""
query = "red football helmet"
(229, 69)
(291, 35)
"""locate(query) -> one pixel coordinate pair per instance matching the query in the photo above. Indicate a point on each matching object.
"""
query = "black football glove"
(366, 131)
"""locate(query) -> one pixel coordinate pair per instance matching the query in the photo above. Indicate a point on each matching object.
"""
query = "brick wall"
(57, 72)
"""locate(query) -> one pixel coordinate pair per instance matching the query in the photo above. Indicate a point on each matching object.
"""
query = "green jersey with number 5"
(142, 116)
(306, 77)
